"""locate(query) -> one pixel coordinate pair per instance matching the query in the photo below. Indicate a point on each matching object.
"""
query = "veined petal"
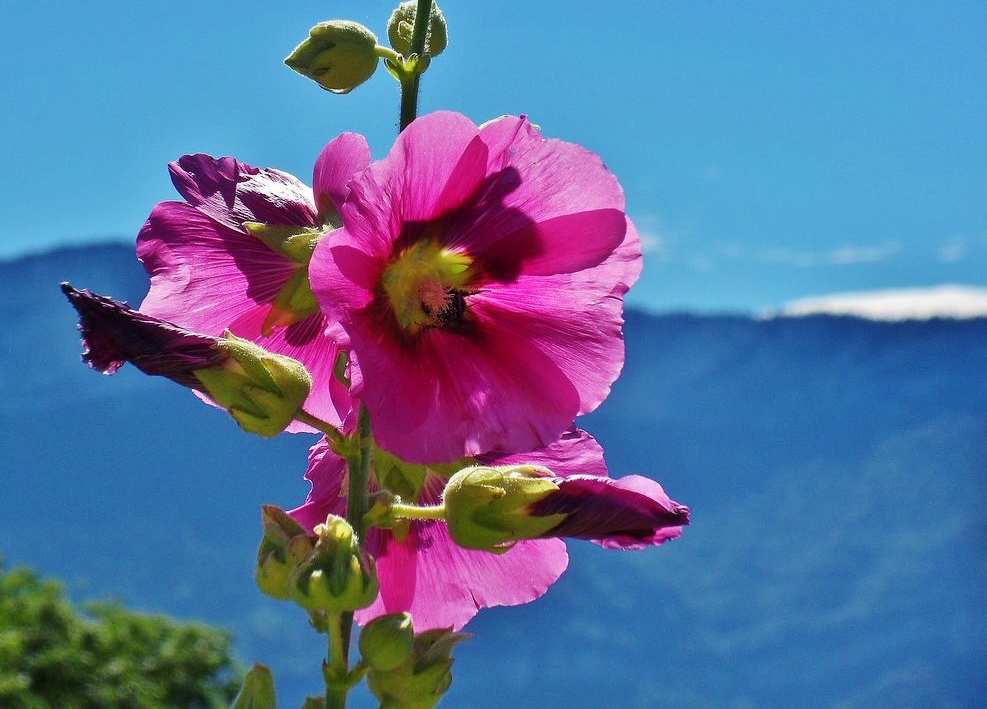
(231, 192)
(343, 157)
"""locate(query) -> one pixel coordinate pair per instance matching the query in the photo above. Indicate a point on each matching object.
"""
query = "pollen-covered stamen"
(445, 306)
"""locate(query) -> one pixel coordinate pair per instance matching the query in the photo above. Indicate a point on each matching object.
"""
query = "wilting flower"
(424, 572)
(234, 256)
(262, 391)
(479, 277)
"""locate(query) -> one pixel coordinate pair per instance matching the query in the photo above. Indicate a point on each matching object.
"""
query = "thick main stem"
(410, 80)
(341, 625)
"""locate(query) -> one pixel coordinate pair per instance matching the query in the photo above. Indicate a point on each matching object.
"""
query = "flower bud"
(257, 691)
(283, 546)
(489, 508)
(263, 391)
(338, 55)
(388, 641)
(407, 671)
(401, 27)
(337, 576)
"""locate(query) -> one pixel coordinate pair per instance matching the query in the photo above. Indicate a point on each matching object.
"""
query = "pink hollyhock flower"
(234, 256)
(424, 572)
(479, 277)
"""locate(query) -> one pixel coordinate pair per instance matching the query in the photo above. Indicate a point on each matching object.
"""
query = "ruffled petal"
(231, 192)
(343, 157)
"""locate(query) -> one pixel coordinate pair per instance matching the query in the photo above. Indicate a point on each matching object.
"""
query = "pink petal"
(443, 585)
(575, 453)
(326, 474)
(631, 513)
(209, 278)
(342, 158)
(231, 192)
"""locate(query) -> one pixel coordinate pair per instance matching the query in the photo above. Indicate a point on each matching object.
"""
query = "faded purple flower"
(114, 333)
(234, 256)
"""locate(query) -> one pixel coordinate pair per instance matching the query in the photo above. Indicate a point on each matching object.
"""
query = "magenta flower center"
(427, 285)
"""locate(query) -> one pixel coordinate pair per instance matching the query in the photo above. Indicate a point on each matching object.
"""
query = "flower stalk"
(410, 80)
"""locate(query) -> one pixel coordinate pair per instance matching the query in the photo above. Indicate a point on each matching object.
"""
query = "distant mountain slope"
(835, 468)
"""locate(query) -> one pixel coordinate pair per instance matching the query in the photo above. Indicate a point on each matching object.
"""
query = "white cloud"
(945, 301)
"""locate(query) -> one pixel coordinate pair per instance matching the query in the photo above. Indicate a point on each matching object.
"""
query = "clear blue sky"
(769, 150)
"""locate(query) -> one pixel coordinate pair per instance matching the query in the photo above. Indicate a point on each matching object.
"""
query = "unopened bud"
(337, 576)
(388, 641)
(490, 508)
(401, 26)
(338, 55)
(283, 546)
(263, 391)
(407, 670)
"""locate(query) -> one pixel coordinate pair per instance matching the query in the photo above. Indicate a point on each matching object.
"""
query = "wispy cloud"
(953, 250)
(848, 255)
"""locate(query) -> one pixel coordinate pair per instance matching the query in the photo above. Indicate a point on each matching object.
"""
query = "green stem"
(403, 511)
(337, 670)
(336, 440)
(410, 80)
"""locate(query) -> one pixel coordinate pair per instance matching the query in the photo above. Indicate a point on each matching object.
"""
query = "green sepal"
(489, 508)
(292, 242)
(257, 691)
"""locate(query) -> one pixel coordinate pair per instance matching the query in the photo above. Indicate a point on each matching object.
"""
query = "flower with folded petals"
(234, 256)
(493, 507)
(262, 391)
(424, 572)
(479, 278)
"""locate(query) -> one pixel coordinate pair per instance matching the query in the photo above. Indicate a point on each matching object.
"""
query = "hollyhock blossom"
(424, 572)
(234, 256)
(479, 278)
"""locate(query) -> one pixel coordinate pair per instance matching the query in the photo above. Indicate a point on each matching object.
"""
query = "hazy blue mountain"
(835, 468)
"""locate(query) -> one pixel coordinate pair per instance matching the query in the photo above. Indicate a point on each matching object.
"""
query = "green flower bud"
(407, 671)
(338, 55)
(388, 642)
(401, 27)
(283, 546)
(262, 391)
(337, 576)
(489, 508)
(257, 691)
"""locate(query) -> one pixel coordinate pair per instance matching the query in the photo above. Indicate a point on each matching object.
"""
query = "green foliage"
(52, 655)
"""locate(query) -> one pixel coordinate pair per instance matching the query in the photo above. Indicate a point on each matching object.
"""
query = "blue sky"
(769, 150)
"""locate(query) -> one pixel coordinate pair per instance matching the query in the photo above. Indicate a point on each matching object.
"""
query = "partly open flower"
(479, 277)
(261, 390)
(492, 507)
(234, 256)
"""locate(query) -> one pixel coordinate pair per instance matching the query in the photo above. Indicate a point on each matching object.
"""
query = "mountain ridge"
(834, 466)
